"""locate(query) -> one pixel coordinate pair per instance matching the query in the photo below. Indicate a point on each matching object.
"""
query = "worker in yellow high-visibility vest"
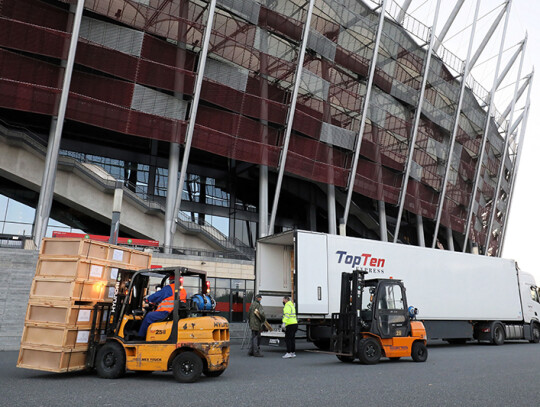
(290, 325)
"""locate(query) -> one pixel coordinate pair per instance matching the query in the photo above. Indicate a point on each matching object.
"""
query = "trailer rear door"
(312, 273)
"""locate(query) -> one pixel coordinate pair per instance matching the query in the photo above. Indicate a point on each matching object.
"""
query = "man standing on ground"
(290, 324)
(256, 321)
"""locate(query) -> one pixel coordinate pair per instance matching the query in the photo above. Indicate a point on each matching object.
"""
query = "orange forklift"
(191, 340)
(374, 321)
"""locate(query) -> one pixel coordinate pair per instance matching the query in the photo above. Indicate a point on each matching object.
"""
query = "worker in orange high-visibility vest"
(165, 300)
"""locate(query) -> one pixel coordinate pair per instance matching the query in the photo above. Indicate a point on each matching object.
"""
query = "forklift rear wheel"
(369, 351)
(345, 359)
(111, 361)
(213, 373)
(419, 352)
(187, 367)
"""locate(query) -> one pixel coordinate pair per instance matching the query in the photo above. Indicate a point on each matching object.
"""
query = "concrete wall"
(17, 269)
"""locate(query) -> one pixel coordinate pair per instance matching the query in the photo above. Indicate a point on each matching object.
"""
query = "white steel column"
(331, 207)
(466, 69)
(43, 209)
(420, 231)
(290, 116)
(263, 200)
(172, 180)
(450, 239)
(365, 106)
(193, 115)
(383, 231)
(412, 142)
(516, 164)
(486, 129)
(497, 191)
(448, 24)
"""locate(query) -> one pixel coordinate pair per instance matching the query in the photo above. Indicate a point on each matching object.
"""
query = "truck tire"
(419, 352)
(187, 367)
(497, 334)
(322, 344)
(369, 351)
(535, 333)
(111, 361)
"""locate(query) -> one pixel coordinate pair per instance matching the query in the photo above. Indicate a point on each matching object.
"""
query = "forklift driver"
(164, 299)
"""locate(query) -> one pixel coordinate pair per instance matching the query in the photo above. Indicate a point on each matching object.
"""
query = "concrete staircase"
(17, 269)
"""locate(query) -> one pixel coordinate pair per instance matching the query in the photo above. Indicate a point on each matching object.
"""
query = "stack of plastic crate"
(72, 275)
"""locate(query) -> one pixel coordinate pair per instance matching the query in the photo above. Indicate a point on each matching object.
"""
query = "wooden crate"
(55, 336)
(74, 247)
(75, 268)
(65, 313)
(69, 290)
(91, 249)
(51, 359)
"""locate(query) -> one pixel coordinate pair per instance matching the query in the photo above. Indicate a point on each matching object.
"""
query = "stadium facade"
(275, 134)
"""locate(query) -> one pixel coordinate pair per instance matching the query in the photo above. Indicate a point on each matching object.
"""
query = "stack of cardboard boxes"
(72, 275)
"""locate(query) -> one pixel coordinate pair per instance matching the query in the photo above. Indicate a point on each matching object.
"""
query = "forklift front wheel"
(111, 361)
(369, 351)
(187, 367)
(345, 359)
(419, 352)
(213, 373)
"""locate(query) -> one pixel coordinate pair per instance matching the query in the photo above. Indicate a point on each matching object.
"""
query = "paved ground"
(469, 375)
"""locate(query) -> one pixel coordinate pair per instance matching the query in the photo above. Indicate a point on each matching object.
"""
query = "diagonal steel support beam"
(46, 193)
(496, 193)
(365, 107)
(403, 11)
(516, 163)
(465, 74)
(489, 34)
(290, 116)
(511, 63)
(418, 113)
(448, 25)
(486, 130)
(506, 112)
(193, 114)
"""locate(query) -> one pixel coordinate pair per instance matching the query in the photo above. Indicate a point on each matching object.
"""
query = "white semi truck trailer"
(459, 296)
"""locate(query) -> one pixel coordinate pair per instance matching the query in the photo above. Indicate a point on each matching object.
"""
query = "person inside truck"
(164, 299)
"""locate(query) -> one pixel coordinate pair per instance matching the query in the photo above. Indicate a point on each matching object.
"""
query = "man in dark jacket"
(256, 321)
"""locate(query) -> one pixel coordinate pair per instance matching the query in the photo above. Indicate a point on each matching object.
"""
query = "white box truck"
(459, 296)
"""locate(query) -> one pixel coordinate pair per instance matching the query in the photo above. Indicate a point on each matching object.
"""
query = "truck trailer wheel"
(497, 334)
(187, 367)
(535, 333)
(369, 351)
(419, 352)
(111, 361)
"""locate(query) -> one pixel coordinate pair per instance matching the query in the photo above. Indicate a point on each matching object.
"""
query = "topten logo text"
(365, 261)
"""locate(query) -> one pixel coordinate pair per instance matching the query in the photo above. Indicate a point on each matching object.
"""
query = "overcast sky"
(521, 241)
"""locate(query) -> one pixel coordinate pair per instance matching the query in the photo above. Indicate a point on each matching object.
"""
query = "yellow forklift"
(374, 321)
(191, 340)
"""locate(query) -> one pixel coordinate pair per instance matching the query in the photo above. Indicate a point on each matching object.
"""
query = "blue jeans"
(150, 318)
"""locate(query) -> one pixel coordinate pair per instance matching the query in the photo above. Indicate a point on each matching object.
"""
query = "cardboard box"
(51, 359)
(70, 290)
(60, 313)
(55, 336)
